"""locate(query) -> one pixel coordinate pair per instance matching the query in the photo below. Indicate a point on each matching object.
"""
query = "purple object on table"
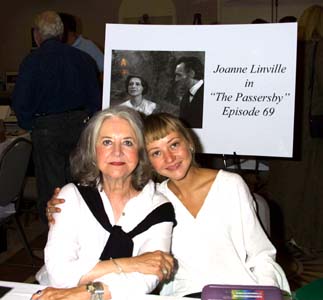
(241, 292)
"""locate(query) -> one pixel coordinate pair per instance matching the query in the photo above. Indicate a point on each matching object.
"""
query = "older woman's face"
(135, 87)
(116, 149)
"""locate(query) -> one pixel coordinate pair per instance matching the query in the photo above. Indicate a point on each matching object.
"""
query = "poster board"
(249, 79)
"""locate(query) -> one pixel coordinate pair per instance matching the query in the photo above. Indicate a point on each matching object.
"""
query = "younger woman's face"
(135, 87)
(170, 156)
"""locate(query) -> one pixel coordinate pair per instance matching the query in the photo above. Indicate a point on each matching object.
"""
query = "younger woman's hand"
(158, 263)
(51, 206)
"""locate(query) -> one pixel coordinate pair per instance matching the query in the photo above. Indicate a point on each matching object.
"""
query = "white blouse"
(76, 241)
(146, 107)
(224, 244)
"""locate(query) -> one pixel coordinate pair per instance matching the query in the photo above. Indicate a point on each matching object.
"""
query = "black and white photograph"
(154, 81)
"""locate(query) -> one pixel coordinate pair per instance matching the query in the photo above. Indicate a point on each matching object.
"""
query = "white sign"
(249, 80)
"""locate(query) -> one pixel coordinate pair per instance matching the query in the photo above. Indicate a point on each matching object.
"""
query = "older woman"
(98, 229)
(137, 87)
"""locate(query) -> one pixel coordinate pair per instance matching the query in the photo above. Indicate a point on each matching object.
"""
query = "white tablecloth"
(23, 291)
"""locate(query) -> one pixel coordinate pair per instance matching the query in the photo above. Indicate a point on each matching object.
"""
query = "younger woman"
(218, 238)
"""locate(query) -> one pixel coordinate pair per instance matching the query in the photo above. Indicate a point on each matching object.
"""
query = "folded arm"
(151, 264)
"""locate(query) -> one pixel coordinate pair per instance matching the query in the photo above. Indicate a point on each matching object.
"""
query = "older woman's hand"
(158, 263)
(76, 293)
(51, 206)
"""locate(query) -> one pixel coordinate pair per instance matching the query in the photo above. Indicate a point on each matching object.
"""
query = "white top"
(76, 241)
(146, 107)
(224, 244)
(195, 88)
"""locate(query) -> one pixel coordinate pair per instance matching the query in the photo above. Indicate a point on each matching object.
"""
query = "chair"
(14, 161)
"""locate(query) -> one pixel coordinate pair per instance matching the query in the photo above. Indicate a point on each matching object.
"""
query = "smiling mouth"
(117, 163)
(173, 167)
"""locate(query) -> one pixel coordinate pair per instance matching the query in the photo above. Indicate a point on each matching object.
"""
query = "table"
(20, 291)
(23, 291)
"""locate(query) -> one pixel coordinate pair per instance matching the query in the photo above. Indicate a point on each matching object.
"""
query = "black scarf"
(120, 243)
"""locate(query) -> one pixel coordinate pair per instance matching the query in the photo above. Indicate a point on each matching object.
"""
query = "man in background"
(189, 75)
(71, 37)
(57, 90)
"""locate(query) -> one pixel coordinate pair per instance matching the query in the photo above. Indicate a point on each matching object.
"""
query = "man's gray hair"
(49, 25)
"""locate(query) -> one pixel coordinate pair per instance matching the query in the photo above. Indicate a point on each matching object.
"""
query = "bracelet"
(117, 266)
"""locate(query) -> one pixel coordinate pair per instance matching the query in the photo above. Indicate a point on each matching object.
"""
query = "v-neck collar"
(177, 202)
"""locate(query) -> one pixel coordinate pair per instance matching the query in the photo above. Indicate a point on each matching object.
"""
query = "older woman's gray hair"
(83, 161)
(49, 25)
